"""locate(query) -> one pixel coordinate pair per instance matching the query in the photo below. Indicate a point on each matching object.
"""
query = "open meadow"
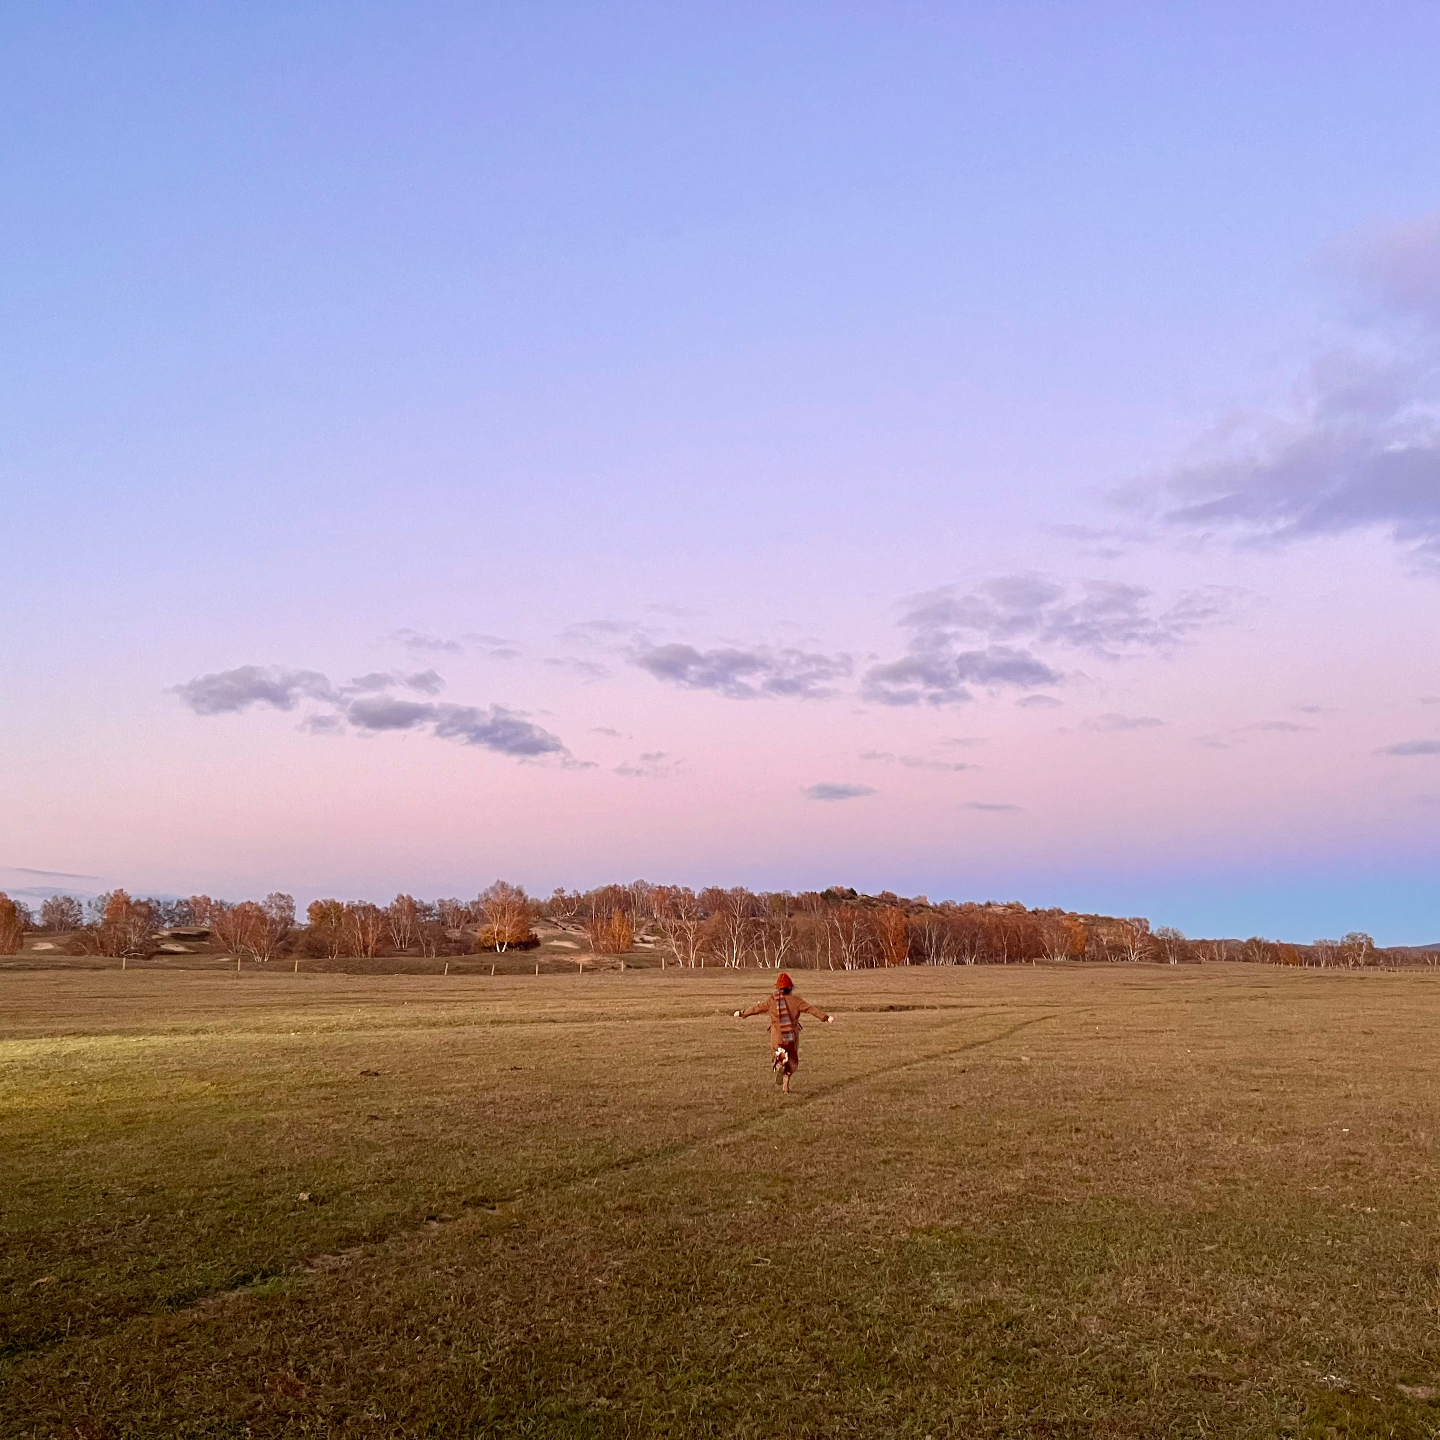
(1053, 1201)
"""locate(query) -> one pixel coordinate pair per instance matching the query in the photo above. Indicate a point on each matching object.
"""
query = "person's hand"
(737, 1014)
(829, 1019)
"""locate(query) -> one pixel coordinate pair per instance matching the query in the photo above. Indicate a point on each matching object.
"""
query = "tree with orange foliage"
(508, 913)
(12, 928)
(126, 927)
(611, 934)
(892, 935)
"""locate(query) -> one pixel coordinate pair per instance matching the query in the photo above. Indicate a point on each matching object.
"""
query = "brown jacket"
(771, 1006)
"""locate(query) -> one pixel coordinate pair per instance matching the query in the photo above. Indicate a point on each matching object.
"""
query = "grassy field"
(1054, 1202)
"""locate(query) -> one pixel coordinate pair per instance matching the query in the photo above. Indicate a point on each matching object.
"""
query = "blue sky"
(601, 330)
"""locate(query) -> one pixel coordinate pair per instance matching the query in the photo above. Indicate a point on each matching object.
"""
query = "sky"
(989, 451)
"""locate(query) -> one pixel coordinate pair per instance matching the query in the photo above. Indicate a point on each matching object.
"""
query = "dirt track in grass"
(1070, 1201)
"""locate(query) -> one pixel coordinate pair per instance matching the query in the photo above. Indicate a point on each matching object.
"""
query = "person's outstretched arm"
(759, 1009)
(806, 1008)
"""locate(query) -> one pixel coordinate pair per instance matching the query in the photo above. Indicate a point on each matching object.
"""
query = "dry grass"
(1065, 1202)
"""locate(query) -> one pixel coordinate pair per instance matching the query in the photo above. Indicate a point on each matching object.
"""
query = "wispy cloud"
(427, 682)
(45, 874)
(987, 805)
(915, 762)
(1412, 747)
(1281, 727)
(419, 641)
(651, 765)
(1361, 452)
(588, 671)
(745, 673)
(1112, 721)
(494, 647)
(997, 635)
(833, 790)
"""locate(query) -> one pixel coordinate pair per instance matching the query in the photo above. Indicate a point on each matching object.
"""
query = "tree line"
(836, 928)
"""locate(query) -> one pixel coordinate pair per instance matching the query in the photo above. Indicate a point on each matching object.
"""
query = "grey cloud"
(417, 640)
(1412, 747)
(496, 729)
(940, 679)
(1112, 721)
(1362, 452)
(1281, 726)
(606, 730)
(373, 710)
(1105, 617)
(830, 790)
(386, 712)
(1430, 699)
(227, 692)
(1014, 616)
(1038, 702)
(427, 682)
(982, 805)
(745, 674)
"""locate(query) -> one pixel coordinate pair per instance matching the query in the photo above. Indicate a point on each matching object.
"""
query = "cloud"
(653, 764)
(1112, 721)
(939, 679)
(427, 682)
(227, 692)
(416, 640)
(991, 636)
(915, 762)
(587, 670)
(1038, 702)
(607, 730)
(744, 674)
(46, 874)
(984, 805)
(367, 706)
(1430, 699)
(496, 647)
(505, 731)
(1105, 617)
(1287, 727)
(830, 790)
(386, 712)
(1412, 747)
(1361, 450)
(322, 725)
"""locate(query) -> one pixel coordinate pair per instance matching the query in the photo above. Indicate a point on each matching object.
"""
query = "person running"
(785, 1008)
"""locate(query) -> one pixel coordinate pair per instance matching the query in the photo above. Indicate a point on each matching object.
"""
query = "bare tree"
(681, 923)
(1172, 944)
(402, 920)
(61, 913)
(1358, 949)
(363, 927)
(279, 911)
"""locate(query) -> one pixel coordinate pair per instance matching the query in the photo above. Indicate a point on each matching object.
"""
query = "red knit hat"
(784, 982)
